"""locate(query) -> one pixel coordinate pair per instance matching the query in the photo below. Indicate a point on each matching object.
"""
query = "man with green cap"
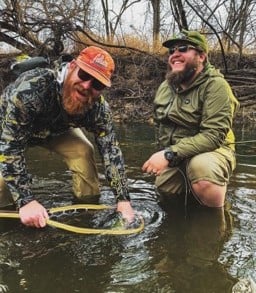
(193, 114)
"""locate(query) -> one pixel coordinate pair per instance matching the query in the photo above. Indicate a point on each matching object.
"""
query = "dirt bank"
(137, 77)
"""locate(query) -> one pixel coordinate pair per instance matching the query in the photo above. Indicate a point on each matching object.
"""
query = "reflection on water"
(239, 253)
(182, 249)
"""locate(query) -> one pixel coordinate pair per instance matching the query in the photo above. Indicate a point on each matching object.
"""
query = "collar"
(61, 75)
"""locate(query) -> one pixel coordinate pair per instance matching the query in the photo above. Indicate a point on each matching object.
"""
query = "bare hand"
(33, 214)
(155, 164)
(125, 208)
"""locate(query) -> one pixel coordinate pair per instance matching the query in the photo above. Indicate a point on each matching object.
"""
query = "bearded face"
(75, 107)
(176, 78)
(76, 99)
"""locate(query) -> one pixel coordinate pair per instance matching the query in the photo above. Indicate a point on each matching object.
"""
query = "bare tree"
(52, 26)
(156, 22)
(179, 13)
(113, 15)
(231, 21)
(41, 27)
(238, 23)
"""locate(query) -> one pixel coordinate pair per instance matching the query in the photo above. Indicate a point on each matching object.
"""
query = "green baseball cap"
(191, 37)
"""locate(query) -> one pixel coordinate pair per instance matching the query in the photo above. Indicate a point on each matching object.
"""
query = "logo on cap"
(100, 60)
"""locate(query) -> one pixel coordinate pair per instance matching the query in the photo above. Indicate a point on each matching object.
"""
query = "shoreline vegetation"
(137, 77)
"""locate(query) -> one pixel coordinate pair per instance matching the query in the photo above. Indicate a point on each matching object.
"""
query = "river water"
(183, 248)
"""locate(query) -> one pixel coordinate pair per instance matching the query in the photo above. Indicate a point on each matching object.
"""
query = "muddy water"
(183, 248)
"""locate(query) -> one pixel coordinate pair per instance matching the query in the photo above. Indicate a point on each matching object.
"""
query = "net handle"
(80, 230)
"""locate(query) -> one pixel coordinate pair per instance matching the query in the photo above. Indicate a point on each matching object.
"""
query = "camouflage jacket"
(30, 111)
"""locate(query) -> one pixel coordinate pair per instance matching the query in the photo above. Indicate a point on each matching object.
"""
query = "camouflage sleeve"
(110, 151)
(18, 108)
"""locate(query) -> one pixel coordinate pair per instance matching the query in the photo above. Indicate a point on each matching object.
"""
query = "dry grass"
(138, 75)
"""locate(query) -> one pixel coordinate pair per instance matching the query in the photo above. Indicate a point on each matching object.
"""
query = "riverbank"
(137, 77)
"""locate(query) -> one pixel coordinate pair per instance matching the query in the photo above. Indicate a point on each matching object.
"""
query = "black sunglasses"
(84, 76)
(182, 49)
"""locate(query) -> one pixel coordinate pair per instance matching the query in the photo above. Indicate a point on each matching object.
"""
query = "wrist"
(24, 201)
(123, 195)
(171, 157)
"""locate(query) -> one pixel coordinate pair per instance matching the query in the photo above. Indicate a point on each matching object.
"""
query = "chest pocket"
(187, 108)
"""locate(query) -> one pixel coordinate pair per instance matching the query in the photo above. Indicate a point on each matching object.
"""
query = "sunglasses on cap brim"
(96, 84)
(182, 49)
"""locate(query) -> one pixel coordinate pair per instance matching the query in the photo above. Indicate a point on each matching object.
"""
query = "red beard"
(73, 107)
(71, 104)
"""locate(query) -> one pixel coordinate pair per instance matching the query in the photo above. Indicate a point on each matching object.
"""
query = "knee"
(209, 194)
(201, 186)
(85, 151)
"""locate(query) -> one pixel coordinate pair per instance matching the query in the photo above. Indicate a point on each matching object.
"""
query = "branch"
(109, 45)
(213, 29)
(9, 40)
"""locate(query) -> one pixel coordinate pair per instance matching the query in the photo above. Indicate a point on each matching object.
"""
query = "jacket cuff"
(23, 201)
(123, 195)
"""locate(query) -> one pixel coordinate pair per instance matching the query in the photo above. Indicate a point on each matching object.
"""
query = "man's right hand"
(155, 164)
(125, 208)
(33, 214)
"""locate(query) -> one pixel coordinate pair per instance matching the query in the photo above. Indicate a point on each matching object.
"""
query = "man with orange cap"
(48, 108)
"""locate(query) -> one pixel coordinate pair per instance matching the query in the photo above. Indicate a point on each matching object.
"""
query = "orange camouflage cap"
(98, 63)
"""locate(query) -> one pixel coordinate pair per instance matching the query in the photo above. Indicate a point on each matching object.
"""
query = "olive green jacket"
(197, 119)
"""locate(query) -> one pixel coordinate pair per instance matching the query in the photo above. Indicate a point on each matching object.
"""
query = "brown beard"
(73, 106)
(177, 78)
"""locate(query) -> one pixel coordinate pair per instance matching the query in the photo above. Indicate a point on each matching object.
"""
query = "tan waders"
(78, 153)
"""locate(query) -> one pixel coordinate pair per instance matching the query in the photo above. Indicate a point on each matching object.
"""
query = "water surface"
(183, 248)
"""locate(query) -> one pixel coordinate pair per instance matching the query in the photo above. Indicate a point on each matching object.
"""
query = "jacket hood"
(208, 71)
